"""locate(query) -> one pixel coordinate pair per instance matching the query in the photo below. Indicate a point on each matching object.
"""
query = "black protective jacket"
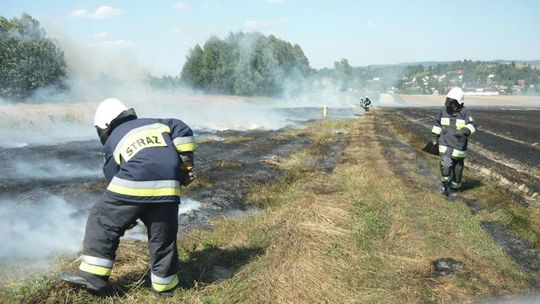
(452, 130)
(143, 162)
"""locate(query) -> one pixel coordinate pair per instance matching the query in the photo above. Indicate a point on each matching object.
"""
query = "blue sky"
(160, 33)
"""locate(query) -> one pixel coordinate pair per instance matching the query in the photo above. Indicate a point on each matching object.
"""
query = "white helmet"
(107, 111)
(457, 94)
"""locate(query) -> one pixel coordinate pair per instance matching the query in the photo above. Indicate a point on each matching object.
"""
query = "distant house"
(480, 89)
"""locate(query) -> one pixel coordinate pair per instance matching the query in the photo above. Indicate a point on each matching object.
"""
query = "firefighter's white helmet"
(107, 111)
(457, 94)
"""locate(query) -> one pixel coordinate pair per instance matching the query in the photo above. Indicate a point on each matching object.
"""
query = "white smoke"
(49, 227)
(188, 205)
(93, 75)
(51, 168)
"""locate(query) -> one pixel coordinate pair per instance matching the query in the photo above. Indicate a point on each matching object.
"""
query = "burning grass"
(358, 234)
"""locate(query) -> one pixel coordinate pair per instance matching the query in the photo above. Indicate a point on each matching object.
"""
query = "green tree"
(343, 73)
(28, 59)
(191, 71)
(244, 64)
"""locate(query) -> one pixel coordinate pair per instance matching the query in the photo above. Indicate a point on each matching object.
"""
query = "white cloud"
(112, 44)
(181, 6)
(261, 25)
(371, 24)
(210, 6)
(101, 12)
(79, 13)
(100, 35)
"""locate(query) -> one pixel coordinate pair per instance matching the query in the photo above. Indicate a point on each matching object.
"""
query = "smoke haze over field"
(93, 76)
(51, 226)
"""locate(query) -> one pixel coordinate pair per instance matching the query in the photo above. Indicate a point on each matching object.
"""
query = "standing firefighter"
(366, 104)
(146, 161)
(452, 128)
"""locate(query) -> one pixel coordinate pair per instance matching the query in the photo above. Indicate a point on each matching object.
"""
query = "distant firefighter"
(146, 162)
(453, 126)
(365, 103)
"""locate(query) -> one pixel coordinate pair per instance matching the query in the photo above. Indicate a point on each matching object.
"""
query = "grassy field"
(361, 234)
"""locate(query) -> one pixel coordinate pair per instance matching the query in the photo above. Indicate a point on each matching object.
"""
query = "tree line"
(244, 64)
(28, 58)
(248, 64)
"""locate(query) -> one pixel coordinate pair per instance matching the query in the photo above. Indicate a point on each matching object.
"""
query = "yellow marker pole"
(325, 111)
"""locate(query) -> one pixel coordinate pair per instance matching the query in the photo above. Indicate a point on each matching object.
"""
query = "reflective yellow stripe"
(139, 139)
(445, 121)
(162, 287)
(458, 153)
(144, 188)
(442, 148)
(97, 261)
(143, 192)
(437, 130)
(97, 270)
(455, 185)
(460, 123)
(471, 127)
(446, 178)
(189, 147)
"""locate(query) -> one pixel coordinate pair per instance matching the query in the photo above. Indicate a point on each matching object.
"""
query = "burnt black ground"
(418, 122)
(520, 125)
(232, 168)
(229, 163)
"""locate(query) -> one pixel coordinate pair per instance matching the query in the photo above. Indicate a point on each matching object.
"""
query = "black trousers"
(452, 170)
(109, 219)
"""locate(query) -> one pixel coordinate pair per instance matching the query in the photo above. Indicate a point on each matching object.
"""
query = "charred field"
(40, 180)
(502, 184)
(333, 210)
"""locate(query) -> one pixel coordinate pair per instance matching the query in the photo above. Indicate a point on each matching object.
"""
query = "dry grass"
(358, 235)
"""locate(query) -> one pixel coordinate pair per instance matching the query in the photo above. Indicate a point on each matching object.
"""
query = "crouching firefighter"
(453, 126)
(146, 162)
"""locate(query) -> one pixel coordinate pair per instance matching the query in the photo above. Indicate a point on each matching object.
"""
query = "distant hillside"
(434, 63)
(431, 77)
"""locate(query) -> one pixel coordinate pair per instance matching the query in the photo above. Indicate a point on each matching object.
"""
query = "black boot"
(164, 294)
(454, 189)
(93, 283)
(445, 189)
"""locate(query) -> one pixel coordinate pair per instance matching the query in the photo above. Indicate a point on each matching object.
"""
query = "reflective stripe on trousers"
(95, 265)
(455, 185)
(164, 284)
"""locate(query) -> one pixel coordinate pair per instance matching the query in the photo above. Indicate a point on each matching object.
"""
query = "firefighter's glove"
(188, 177)
(466, 131)
(186, 161)
(186, 168)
